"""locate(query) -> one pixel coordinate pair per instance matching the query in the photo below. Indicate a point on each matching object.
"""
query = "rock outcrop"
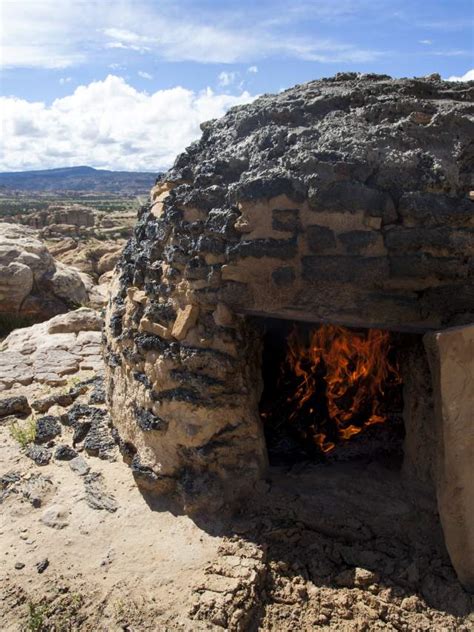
(50, 352)
(32, 283)
(71, 215)
(343, 200)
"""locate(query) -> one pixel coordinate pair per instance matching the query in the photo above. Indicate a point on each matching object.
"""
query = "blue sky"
(97, 64)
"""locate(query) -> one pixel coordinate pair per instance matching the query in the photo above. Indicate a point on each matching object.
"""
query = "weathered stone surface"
(32, 283)
(48, 352)
(451, 357)
(39, 454)
(320, 238)
(299, 205)
(47, 428)
(64, 453)
(351, 269)
(96, 495)
(14, 406)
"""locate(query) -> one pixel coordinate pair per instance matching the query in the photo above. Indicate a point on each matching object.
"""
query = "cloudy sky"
(124, 84)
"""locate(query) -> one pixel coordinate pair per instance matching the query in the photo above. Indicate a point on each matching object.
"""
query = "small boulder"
(79, 465)
(43, 565)
(47, 428)
(39, 454)
(65, 453)
(14, 406)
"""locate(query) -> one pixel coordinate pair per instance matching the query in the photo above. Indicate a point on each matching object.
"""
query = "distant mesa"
(80, 178)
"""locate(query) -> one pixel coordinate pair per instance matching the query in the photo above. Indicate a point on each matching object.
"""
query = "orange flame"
(355, 369)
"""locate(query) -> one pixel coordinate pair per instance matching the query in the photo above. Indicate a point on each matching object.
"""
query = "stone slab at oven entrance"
(451, 357)
(343, 202)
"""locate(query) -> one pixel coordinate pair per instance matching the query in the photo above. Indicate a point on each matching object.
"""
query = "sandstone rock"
(48, 352)
(96, 495)
(69, 215)
(55, 516)
(32, 283)
(107, 262)
(451, 357)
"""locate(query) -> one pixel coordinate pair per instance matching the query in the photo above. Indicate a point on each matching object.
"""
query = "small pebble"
(43, 565)
(19, 566)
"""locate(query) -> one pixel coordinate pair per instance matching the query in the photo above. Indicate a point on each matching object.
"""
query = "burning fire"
(351, 369)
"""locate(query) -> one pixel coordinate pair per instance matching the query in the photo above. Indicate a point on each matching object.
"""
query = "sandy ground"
(340, 547)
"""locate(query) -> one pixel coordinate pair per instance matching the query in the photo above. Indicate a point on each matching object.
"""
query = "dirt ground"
(345, 547)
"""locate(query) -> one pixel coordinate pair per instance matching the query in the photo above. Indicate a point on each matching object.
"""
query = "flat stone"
(79, 465)
(55, 516)
(451, 358)
(320, 238)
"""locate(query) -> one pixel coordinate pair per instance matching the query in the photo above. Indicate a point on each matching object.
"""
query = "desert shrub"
(25, 432)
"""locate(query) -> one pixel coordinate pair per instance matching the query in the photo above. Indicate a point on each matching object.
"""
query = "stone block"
(283, 276)
(286, 220)
(424, 265)
(185, 319)
(451, 358)
(320, 238)
(148, 326)
(430, 239)
(352, 197)
(356, 241)
(435, 209)
(345, 269)
(274, 248)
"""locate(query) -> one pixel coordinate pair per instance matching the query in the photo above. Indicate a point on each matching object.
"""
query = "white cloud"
(227, 78)
(144, 75)
(252, 69)
(64, 80)
(426, 42)
(107, 124)
(468, 76)
(58, 34)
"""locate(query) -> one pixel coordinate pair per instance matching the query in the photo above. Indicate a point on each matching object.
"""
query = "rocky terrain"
(57, 258)
(83, 549)
(33, 285)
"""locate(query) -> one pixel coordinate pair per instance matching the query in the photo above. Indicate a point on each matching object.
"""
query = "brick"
(283, 276)
(286, 220)
(185, 319)
(435, 209)
(156, 329)
(353, 197)
(345, 269)
(422, 266)
(320, 238)
(356, 241)
(274, 248)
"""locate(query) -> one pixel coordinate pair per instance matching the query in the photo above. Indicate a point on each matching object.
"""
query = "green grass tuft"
(25, 432)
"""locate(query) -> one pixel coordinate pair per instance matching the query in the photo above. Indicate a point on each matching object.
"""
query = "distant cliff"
(79, 179)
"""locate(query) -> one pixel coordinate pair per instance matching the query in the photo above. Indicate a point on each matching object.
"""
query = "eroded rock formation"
(343, 200)
(32, 283)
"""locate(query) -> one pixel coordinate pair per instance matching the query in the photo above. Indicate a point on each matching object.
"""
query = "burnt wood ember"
(298, 419)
